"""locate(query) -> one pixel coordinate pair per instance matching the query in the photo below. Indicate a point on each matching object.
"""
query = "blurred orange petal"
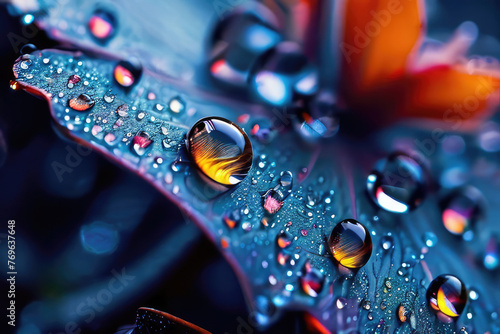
(451, 94)
(378, 39)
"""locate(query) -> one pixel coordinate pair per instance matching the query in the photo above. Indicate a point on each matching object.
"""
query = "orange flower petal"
(378, 39)
(450, 94)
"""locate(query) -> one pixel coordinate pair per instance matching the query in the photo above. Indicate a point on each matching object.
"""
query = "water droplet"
(27, 49)
(386, 242)
(109, 98)
(397, 184)
(73, 80)
(303, 232)
(491, 258)
(319, 118)
(110, 138)
(122, 110)
(274, 197)
(127, 73)
(350, 244)
(473, 295)
(282, 258)
(312, 281)
(220, 149)
(102, 25)
(140, 143)
(246, 226)
(277, 72)
(403, 313)
(81, 103)
(430, 239)
(28, 19)
(366, 305)
(25, 64)
(238, 41)
(177, 105)
(447, 294)
(232, 218)
(284, 239)
(402, 271)
(341, 303)
(461, 211)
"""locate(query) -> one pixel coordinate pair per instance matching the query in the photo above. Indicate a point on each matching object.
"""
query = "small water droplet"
(109, 98)
(462, 209)
(122, 110)
(232, 218)
(284, 239)
(177, 105)
(73, 80)
(127, 73)
(430, 239)
(140, 143)
(81, 103)
(312, 280)
(386, 241)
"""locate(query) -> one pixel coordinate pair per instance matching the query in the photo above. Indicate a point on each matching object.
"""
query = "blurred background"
(76, 230)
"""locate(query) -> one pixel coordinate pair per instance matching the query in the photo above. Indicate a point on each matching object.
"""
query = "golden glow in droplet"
(221, 150)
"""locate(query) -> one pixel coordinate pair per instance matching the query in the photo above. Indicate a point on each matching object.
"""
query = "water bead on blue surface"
(398, 183)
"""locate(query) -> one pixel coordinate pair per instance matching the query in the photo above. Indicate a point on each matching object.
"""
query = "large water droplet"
(238, 41)
(82, 102)
(461, 211)
(277, 73)
(350, 244)
(102, 25)
(447, 294)
(220, 149)
(397, 184)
